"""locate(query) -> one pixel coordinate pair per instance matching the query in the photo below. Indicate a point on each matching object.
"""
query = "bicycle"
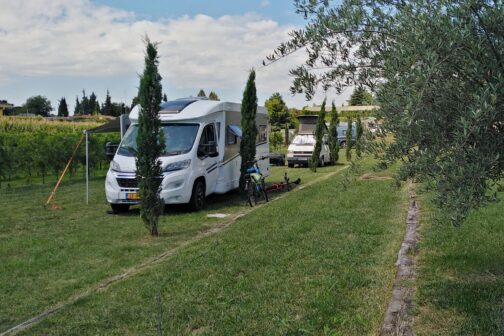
(254, 183)
(285, 185)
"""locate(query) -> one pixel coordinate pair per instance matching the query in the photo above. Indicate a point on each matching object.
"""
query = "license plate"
(133, 196)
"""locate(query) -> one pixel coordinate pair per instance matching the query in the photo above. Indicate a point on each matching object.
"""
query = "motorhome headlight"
(290, 152)
(179, 165)
(115, 166)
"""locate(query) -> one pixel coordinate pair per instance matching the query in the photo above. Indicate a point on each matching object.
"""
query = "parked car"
(277, 159)
(342, 129)
(301, 149)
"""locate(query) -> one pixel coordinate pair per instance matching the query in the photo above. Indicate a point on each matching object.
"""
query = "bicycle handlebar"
(259, 159)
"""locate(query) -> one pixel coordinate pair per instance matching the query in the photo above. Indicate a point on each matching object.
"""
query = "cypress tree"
(248, 125)
(319, 135)
(358, 135)
(349, 140)
(97, 108)
(333, 135)
(165, 98)
(108, 108)
(201, 93)
(92, 104)
(84, 106)
(77, 109)
(150, 141)
(213, 96)
(63, 108)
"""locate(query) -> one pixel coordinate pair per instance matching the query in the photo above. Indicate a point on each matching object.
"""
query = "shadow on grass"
(214, 202)
(475, 291)
(479, 299)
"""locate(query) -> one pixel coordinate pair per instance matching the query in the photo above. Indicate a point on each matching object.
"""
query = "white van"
(201, 157)
(301, 147)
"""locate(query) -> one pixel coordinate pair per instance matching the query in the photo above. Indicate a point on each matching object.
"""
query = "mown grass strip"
(148, 263)
(316, 262)
(461, 274)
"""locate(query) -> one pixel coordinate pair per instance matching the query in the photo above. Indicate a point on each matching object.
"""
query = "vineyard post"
(87, 168)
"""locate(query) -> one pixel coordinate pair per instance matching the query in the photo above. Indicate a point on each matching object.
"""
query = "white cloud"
(76, 38)
(265, 3)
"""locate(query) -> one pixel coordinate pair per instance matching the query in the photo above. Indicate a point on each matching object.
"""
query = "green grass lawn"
(461, 275)
(319, 261)
(46, 256)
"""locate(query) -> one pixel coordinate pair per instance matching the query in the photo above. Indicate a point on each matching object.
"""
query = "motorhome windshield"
(304, 140)
(179, 139)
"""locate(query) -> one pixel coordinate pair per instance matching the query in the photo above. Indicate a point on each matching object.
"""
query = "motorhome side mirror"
(212, 149)
(110, 150)
(209, 149)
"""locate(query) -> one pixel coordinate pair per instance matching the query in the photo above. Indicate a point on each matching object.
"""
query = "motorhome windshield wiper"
(172, 153)
(129, 149)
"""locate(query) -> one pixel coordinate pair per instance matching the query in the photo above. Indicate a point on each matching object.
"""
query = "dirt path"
(151, 262)
(397, 319)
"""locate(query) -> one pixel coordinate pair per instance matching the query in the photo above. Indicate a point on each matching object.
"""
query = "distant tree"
(107, 108)
(358, 137)
(293, 117)
(278, 113)
(360, 97)
(134, 102)
(39, 105)
(165, 98)
(92, 104)
(248, 125)
(275, 140)
(118, 109)
(319, 138)
(150, 141)
(63, 108)
(201, 93)
(213, 96)
(85, 108)
(333, 135)
(348, 148)
(78, 108)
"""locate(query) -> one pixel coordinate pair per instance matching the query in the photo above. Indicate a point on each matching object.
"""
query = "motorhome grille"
(127, 182)
(302, 152)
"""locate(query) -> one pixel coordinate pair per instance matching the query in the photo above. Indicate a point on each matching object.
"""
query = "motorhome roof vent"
(176, 106)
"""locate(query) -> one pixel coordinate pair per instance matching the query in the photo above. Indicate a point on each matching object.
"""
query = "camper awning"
(113, 125)
(236, 130)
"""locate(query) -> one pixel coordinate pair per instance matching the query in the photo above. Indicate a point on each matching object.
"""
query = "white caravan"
(301, 147)
(201, 156)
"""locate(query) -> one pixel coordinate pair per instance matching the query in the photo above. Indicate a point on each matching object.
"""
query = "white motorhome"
(201, 157)
(301, 147)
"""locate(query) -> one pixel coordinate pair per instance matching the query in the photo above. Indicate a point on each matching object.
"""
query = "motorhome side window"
(233, 132)
(263, 134)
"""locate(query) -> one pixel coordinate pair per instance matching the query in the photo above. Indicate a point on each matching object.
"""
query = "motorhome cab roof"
(191, 108)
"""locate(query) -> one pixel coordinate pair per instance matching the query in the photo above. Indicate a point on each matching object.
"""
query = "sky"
(59, 48)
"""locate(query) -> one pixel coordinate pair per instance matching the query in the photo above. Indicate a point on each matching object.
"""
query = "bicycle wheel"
(263, 190)
(249, 191)
(254, 195)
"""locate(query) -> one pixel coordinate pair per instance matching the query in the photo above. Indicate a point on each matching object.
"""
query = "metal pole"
(87, 168)
(121, 125)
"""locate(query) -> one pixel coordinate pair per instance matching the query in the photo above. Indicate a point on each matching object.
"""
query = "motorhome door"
(209, 156)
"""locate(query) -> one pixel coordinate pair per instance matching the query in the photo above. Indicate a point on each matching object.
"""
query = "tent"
(120, 124)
